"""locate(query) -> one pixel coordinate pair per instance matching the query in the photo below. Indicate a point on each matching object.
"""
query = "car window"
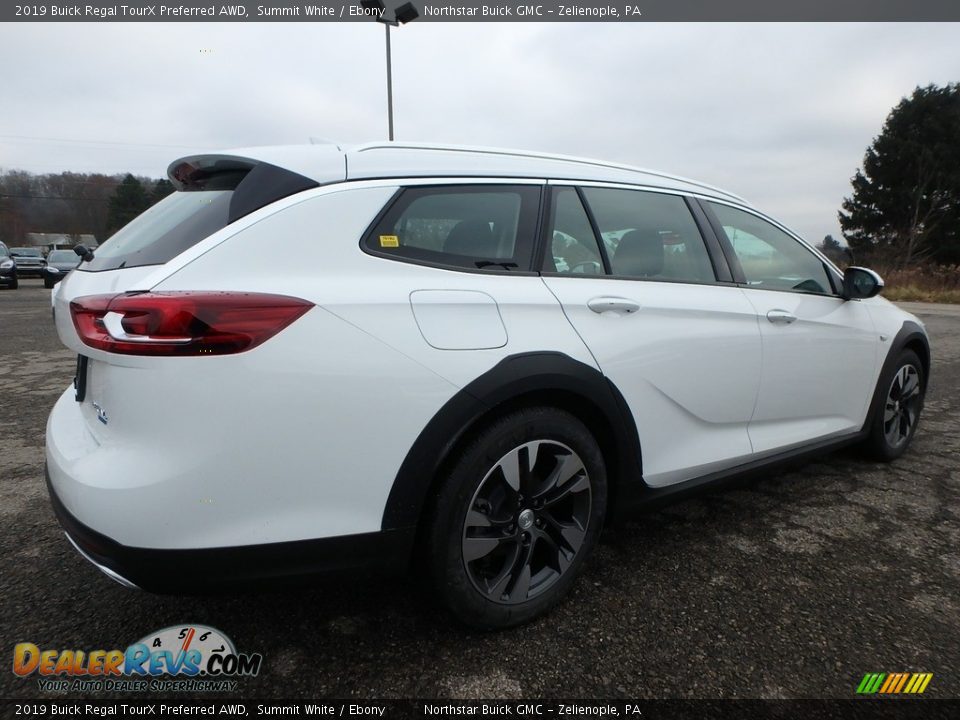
(475, 227)
(770, 258)
(650, 235)
(212, 192)
(26, 252)
(573, 245)
(179, 221)
(62, 256)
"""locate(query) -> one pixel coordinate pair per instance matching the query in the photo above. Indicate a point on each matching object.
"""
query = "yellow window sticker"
(389, 241)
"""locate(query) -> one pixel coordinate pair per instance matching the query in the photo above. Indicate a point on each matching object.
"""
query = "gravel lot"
(794, 586)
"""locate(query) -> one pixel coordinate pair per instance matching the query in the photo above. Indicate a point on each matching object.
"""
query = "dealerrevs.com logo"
(189, 658)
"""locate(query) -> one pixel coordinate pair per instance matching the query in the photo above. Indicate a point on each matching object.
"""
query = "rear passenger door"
(663, 319)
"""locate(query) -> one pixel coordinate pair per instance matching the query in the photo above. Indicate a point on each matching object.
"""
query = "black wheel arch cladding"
(543, 378)
(910, 337)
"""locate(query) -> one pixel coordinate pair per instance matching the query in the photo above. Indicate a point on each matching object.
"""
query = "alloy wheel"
(902, 406)
(526, 521)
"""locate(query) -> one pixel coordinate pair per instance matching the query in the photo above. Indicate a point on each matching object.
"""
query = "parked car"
(471, 404)
(8, 269)
(30, 261)
(59, 263)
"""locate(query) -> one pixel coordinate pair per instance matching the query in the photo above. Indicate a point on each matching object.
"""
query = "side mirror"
(861, 283)
(84, 252)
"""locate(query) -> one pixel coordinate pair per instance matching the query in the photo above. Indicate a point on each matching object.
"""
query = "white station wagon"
(313, 358)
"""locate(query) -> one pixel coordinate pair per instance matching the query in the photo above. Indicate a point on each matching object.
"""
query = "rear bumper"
(202, 570)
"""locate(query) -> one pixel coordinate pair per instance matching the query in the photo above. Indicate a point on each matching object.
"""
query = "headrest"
(472, 238)
(639, 254)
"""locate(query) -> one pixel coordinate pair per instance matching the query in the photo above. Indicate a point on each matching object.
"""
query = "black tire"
(897, 416)
(47, 283)
(539, 541)
(15, 284)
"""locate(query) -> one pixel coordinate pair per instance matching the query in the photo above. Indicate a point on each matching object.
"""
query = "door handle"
(619, 305)
(781, 317)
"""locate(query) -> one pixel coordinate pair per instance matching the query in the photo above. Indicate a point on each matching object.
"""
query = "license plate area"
(80, 378)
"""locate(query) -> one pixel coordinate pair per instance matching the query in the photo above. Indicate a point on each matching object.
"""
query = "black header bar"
(492, 11)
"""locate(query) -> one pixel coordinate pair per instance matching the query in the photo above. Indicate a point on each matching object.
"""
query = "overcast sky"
(778, 113)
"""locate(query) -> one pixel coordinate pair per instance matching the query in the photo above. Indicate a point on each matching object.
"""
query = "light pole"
(401, 16)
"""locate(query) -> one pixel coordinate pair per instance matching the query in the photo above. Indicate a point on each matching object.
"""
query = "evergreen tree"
(128, 200)
(161, 189)
(830, 244)
(832, 248)
(906, 200)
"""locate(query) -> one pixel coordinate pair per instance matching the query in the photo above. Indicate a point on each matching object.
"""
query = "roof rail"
(542, 156)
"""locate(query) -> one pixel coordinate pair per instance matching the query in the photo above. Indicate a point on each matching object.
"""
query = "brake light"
(182, 323)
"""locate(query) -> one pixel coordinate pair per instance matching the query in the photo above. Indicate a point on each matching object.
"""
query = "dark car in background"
(8, 269)
(30, 261)
(59, 263)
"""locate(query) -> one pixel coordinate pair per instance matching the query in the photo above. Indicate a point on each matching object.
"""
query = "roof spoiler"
(198, 172)
(255, 183)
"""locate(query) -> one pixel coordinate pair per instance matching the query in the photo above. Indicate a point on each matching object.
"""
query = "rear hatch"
(211, 193)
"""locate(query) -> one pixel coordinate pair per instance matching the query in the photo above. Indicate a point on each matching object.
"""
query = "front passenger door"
(819, 350)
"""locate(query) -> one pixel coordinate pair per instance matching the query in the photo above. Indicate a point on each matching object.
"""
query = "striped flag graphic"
(894, 683)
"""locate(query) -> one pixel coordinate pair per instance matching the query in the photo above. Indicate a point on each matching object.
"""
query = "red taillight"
(182, 323)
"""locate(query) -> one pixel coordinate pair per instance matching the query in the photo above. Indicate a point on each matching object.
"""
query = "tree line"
(73, 204)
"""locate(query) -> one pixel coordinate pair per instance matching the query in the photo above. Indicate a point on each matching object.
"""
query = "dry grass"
(926, 283)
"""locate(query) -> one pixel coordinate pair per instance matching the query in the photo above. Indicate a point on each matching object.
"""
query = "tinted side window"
(771, 259)
(650, 235)
(573, 245)
(470, 226)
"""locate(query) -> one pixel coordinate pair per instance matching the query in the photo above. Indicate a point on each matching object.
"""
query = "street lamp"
(401, 16)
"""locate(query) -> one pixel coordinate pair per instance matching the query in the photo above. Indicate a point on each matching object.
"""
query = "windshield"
(62, 256)
(26, 252)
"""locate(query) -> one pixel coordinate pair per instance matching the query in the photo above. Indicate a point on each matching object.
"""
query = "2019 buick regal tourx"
(466, 359)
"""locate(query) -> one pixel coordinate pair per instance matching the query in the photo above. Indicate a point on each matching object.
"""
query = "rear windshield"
(212, 192)
(174, 224)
